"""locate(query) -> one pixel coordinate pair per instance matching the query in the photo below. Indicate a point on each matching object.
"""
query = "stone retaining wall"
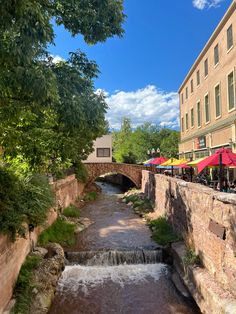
(205, 218)
(12, 255)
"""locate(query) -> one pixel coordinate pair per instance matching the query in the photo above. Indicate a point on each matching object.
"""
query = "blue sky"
(142, 72)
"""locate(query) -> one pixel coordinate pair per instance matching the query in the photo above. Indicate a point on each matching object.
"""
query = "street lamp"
(152, 152)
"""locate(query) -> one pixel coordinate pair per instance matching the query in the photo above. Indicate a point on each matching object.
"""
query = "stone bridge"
(133, 172)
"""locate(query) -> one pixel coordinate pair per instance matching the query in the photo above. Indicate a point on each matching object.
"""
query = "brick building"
(208, 95)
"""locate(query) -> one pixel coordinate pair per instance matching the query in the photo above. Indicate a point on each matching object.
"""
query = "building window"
(182, 98)
(186, 92)
(182, 124)
(230, 37)
(217, 101)
(192, 118)
(216, 54)
(103, 152)
(186, 117)
(198, 77)
(191, 86)
(231, 95)
(206, 67)
(198, 114)
(207, 111)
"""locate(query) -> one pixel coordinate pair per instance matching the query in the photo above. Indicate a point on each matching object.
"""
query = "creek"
(115, 267)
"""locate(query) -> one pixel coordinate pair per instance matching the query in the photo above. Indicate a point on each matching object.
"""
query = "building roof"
(209, 42)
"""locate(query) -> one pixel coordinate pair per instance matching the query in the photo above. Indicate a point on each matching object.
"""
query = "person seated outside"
(225, 185)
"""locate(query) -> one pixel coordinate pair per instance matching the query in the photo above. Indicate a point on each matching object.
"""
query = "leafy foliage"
(23, 200)
(90, 196)
(60, 231)
(131, 145)
(163, 233)
(80, 172)
(190, 258)
(71, 211)
(24, 286)
(50, 113)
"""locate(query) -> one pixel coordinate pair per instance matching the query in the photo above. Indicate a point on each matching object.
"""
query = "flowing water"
(115, 267)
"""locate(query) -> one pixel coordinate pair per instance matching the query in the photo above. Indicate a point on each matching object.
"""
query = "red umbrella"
(227, 159)
(158, 161)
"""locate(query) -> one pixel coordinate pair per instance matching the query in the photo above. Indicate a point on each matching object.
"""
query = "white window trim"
(230, 110)
(191, 92)
(206, 76)
(187, 129)
(207, 94)
(197, 85)
(199, 126)
(192, 126)
(217, 117)
(228, 50)
(216, 65)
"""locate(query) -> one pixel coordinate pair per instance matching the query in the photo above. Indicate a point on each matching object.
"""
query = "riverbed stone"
(40, 251)
(45, 279)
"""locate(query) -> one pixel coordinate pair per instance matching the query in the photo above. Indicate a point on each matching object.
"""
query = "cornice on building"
(219, 27)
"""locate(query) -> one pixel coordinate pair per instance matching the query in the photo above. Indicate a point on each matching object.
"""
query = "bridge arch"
(133, 172)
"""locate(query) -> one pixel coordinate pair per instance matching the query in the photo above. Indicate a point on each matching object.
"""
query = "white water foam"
(79, 278)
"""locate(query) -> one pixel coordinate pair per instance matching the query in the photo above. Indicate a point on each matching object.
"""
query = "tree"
(169, 145)
(50, 113)
(131, 145)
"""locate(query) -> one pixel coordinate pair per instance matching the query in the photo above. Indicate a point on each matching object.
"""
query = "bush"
(190, 258)
(90, 196)
(81, 172)
(60, 232)
(24, 286)
(162, 231)
(71, 211)
(23, 200)
(131, 198)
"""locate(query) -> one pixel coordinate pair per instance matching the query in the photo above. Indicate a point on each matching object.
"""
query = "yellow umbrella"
(194, 163)
(178, 162)
(169, 162)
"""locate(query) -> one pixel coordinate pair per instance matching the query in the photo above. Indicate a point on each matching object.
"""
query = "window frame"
(218, 54)
(207, 95)
(192, 118)
(220, 107)
(103, 148)
(186, 121)
(191, 86)
(227, 84)
(198, 77)
(206, 68)
(229, 48)
(199, 117)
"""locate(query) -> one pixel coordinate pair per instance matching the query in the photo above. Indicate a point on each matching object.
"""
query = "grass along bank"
(162, 231)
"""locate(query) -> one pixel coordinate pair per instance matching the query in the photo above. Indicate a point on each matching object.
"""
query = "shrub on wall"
(81, 172)
(24, 201)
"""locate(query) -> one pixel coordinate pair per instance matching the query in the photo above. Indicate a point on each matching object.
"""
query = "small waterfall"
(115, 257)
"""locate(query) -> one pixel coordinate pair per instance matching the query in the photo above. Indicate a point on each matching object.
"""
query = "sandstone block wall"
(191, 208)
(12, 255)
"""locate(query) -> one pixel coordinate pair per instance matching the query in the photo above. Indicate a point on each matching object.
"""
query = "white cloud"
(202, 4)
(57, 59)
(148, 104)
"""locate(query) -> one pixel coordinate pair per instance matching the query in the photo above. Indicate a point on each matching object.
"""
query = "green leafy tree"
(131, 145)
(50, 113)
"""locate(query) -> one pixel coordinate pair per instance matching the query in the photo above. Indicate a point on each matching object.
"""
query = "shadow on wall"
(179, 213)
